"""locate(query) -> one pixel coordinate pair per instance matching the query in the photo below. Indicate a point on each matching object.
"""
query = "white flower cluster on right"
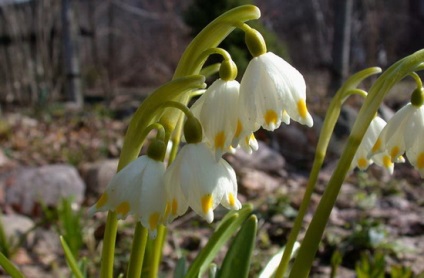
(385, 144)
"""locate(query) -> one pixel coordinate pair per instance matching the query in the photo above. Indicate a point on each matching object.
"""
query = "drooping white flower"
(138, 189)
(361, 158)
(195, 177)
(272, 91)
(403, 133)
(217, 111)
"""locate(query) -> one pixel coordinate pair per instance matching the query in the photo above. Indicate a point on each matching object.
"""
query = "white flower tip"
(208, 216)
(237, 205)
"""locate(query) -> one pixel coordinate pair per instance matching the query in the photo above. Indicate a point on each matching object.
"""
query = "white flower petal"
(202, 180)
(270, 86)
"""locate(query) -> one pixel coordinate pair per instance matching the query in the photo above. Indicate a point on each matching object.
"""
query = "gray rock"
(264, 159)
(98, 175)
(254, 181)
(15, 226)
(28, 188)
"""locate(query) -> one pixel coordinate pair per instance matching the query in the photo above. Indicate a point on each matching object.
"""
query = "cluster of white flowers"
(386, 144)
(271, 91)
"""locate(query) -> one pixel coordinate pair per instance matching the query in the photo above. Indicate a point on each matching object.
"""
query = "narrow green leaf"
(237, 261)
(272, 265)
(180, 269)
(225, 230)
(9, 267)
(70, 259)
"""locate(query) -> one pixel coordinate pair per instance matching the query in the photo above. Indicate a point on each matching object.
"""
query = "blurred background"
(73, 50)
(72, 72)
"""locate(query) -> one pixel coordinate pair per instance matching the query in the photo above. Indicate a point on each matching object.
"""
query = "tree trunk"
(71, 62)
(341, 43)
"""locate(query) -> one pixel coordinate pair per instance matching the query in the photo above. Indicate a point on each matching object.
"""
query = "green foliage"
(336, 261)
(201, 12)
(237, 260)
(229, 224)
(5, 247)
(70, 226)
(70, 258)
(374, 266)
(371, 267)
(10, 268)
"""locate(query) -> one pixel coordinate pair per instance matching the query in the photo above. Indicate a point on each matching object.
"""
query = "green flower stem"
(213, 50)
(157, 252)
(137, 251)
(149, 112)
(330, 121)
(417, 79)
(380, 88)
(211, 36)
(108, 251)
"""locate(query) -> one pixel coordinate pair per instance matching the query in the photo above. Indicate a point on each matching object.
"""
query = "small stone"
(98, 175)
(16, 225)
(258, 181)
(264, 159)
(29, 188)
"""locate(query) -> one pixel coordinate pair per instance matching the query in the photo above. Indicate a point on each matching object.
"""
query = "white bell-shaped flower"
(271, 92)
(138, 189)
(197, 178)
(404, 133)
(414, 134)
(361, 158)
(217, 111)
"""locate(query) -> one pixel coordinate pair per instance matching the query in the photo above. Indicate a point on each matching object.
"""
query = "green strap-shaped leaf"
(70, 259)
(180, 268)
(225, 230)
(237, 260)
(9, 267)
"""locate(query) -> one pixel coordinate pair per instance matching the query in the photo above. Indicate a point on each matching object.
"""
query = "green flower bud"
(228, 70)
(193, 130)
(157, 150)
(255, 42)
(417, 97)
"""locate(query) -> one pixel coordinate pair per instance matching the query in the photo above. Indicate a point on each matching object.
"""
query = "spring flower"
(196, 179)
(271, 92)
(138, 189)
(217, 111)
(403, 133)
(363, 159)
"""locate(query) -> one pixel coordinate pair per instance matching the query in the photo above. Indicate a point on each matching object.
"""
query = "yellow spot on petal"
(301, 108)
(394, 152)
(239, 128)
(420, 161)
(376, 146)
(154, 220)
(231, 199)
(174, 207)
(271, 117)
(387, 161)
(207, 202)
(219, 140)
(167, 209)
(362, 163)
(123, 208)
(102, 201)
